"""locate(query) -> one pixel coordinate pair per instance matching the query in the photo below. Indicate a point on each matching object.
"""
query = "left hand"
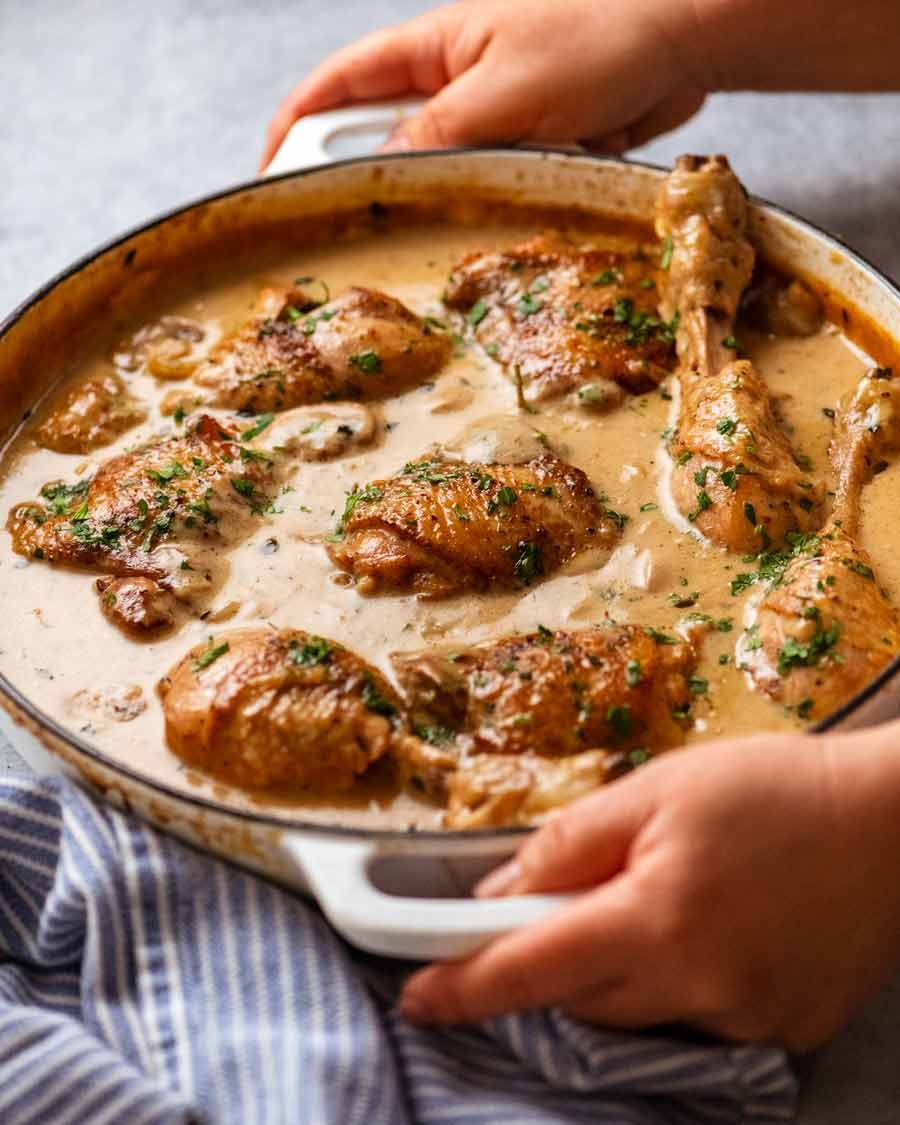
(751, 889)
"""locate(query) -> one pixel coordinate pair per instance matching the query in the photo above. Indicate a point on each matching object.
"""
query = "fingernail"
(411, 1008)
(499, 881)
(396, 142)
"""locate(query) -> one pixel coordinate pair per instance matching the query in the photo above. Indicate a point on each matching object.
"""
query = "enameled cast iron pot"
(379, 888)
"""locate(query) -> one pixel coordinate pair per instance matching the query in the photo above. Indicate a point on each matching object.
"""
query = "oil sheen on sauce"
(57, 647)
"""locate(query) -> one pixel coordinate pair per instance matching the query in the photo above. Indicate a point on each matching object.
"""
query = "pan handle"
(354, 131)
(396, 924)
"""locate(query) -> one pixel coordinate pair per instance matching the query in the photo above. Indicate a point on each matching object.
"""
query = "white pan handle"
(355, 131)
(339, 874)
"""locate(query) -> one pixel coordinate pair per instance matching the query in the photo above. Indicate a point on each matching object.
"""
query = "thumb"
(473, 109)
(587, 843)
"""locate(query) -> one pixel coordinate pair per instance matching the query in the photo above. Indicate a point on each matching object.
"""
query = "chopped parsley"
(857, 567)
(374, 700)
(60, 497)
(201, 508)
(619, 718)
(529, 563)
(607, 277)
(623, 309)
(210, 654)
(366, 495)
(313, 652)
(703, 502)
(726, 426)
(752, 639)
(528, 305)
(435, 734)
(665, 259)
(804, 654)
(477, 313)
(633, 672)
(660, 638)
(243, 486)
(261, 423)
(368, 361)
(174, 470)
(505, 498)
(728, 477)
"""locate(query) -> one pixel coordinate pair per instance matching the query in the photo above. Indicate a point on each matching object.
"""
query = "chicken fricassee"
(450, 523)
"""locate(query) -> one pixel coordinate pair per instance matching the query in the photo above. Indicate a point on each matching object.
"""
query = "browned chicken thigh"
(88, 414)
(564, 315)
(262, 708)
(295, 351)
(513, 727)
(160, 513)
(734, 476)
(825, 628)
(440, 527)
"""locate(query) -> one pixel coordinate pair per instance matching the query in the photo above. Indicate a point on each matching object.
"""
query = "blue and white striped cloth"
(143, 982)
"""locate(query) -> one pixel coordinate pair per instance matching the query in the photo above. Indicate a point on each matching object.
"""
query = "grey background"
(114, 110)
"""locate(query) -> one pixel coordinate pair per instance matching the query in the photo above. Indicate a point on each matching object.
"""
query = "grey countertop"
(114, 111)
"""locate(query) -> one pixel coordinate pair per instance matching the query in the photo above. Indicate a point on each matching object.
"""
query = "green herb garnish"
(210, 654)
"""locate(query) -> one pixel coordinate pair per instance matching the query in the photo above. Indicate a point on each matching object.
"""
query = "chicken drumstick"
(734, 475)
(826, 628)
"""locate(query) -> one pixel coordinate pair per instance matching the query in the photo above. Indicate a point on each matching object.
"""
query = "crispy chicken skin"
(89, 414)
(554, 692)
(151, 512)
(509, 729)
(734, 476)
(265, 708)
(294, 351)
(565, 315)
(826, 628)
(440, 527)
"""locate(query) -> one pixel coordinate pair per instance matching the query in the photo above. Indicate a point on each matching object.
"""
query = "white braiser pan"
(398, 893)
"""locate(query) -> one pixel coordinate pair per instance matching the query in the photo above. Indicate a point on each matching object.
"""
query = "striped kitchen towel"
(144, 982)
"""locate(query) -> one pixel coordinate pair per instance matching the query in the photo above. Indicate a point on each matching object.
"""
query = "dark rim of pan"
(204, 804)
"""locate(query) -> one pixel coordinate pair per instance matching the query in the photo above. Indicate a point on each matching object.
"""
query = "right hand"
(607, 73)
(748, 888)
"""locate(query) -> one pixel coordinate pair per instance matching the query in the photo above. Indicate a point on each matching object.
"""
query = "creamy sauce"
(56, 642)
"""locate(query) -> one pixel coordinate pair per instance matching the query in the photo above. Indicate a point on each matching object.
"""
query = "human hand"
(611, 74)
(603, 72)
(749, 889)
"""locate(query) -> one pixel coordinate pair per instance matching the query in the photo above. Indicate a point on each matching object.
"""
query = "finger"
(631, 1003)
(473, 109)
(584, 947)
(586, 843)
(665, 116)
(401, 60)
